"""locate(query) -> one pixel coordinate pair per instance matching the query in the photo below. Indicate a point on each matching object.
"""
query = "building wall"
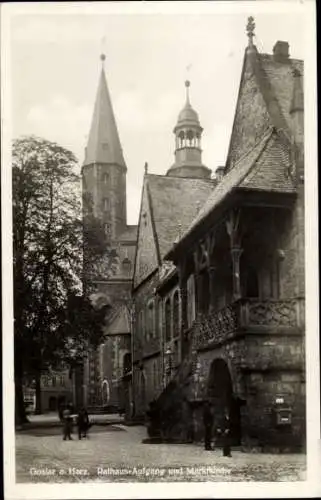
(56, 387)
(147, 339)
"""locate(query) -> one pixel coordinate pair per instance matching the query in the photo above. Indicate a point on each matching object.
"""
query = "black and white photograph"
(160, 249)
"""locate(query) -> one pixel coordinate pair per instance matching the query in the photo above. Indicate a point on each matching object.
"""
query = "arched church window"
(106, 178)
(167, 320)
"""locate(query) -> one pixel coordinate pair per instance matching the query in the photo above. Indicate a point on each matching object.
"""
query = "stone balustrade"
(218, 326)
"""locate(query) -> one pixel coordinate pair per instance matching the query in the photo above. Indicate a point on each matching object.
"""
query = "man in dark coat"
(208, 424)
(83, 423)
(225, 432)
(67, 423)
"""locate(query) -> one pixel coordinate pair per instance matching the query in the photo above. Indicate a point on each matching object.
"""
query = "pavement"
(115, 453)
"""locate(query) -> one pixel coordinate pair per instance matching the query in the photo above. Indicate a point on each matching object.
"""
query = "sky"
(55, 67)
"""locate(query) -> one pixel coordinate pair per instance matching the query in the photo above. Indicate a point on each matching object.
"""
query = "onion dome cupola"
(188, 152)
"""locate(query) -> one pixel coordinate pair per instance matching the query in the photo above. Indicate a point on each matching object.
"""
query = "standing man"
(67, 423)
(225, 432)
(208, 424)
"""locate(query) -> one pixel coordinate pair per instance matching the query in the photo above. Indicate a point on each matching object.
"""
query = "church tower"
(188, 152)
(104, 169)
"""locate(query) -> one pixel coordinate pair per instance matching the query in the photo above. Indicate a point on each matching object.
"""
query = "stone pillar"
(236, 253)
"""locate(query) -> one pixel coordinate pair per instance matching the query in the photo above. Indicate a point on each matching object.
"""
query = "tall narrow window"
(176, 314)
(191, 313)
(106, 204)
(167, 320)
(142, 324)
(106, 179)
(160, 319)
(150, 327)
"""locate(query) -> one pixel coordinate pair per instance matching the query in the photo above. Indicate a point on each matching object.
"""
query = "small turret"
(188, 152)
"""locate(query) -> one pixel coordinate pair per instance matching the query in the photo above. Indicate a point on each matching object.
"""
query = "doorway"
(220, 392)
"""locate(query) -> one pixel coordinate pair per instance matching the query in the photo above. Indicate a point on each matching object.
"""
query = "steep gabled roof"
(175, 203)
(103, 143)
(265, 99)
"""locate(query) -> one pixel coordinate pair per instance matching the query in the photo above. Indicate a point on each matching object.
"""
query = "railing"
(217, 326)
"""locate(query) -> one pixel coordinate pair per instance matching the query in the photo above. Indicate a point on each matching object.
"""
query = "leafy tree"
(49, 242)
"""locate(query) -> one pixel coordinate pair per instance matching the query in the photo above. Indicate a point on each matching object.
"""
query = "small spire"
(250, 27)
(146, 167)
(187, 85)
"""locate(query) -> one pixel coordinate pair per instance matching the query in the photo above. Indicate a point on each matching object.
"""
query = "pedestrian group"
(66, 416)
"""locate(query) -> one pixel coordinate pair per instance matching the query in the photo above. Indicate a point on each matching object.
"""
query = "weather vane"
(250, 30)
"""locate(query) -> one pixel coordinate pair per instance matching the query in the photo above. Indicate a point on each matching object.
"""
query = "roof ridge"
(150, 202)
(181, 179)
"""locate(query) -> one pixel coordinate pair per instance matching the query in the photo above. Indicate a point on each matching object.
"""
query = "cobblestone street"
(116, 453)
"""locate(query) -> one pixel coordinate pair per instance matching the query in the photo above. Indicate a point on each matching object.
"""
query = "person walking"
(225, 432)
(67, 423)
(208, 424)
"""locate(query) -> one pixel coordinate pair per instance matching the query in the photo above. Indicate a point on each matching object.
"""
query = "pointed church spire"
(103, 143)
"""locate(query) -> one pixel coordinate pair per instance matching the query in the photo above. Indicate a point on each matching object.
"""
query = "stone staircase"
(173, 406)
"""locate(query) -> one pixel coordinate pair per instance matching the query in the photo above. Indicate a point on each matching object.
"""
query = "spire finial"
(146, 167)
(102, 58)
(187, 85)
(250, 27)
(102, 47)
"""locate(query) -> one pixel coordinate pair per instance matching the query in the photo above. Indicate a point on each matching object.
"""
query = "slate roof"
(174, 204)
(103, 143)
(280, 75)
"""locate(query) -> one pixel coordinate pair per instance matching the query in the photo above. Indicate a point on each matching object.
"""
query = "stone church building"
(104, 197)
(211, 306)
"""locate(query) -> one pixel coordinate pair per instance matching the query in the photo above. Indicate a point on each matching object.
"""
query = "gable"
(146, 252)
(120, 324)
(251, 117)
